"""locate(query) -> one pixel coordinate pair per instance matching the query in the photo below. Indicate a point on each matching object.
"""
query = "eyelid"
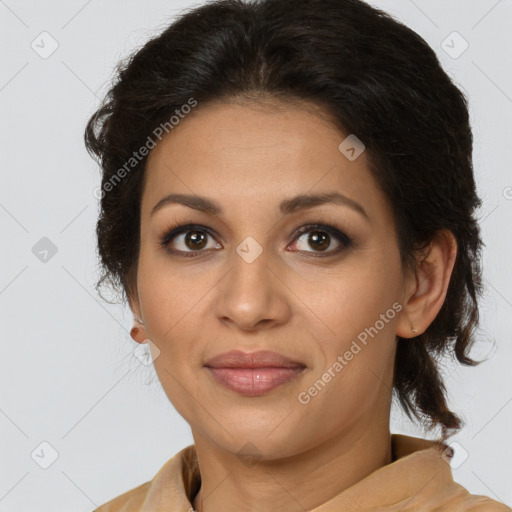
(332, 230)
(345, 241)
(180, 229)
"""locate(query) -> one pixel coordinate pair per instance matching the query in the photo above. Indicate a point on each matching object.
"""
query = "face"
(318, 283)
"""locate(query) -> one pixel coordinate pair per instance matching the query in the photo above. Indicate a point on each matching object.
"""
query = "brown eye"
(195, 240)
(320, 239)
(187, 240)
(191, 240)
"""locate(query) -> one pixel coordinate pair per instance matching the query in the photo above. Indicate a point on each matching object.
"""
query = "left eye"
(320, 237)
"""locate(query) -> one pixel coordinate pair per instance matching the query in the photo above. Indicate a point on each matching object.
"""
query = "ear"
(137, 332)
(426, 288)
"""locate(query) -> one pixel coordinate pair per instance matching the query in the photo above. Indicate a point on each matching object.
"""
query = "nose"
(252, 296)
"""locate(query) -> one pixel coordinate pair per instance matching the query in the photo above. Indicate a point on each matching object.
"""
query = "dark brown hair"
(377, 78)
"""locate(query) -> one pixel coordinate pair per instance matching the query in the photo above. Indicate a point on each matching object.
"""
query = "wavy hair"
(376, 78)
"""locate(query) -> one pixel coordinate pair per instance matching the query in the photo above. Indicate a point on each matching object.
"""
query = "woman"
(287, 206)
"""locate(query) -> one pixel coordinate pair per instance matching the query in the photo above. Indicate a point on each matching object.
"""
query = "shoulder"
(175, 479)
(464, 500)
(129, 501)
(454, 497)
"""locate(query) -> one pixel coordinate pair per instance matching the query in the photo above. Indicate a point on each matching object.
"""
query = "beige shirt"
(419, 475)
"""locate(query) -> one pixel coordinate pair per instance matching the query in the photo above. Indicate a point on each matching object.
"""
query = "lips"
(253, 373)
(261, 359)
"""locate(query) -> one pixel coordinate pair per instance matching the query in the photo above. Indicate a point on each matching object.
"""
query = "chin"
(260, 440)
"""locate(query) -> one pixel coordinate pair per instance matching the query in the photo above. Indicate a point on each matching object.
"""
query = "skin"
(248, 158)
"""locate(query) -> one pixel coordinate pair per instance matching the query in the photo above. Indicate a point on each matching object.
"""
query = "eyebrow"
(288, 206)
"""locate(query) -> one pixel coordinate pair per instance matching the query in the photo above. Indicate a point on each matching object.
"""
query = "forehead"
(249, 154)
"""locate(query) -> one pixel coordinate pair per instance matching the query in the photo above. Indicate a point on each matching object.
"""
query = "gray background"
(68, 373)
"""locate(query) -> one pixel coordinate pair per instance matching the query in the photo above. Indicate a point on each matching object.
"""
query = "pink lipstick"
(255, 373)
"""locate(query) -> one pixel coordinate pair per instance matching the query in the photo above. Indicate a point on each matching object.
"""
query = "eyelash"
(346, 241)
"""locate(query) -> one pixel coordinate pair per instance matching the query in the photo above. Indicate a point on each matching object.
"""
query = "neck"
(297, 483)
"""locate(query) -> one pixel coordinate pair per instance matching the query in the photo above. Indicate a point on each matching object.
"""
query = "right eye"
(191, 238)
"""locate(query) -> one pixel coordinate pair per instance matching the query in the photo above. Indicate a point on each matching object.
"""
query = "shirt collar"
(419, 467)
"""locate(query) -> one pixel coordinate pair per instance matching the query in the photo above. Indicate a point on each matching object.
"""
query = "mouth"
(255, 373)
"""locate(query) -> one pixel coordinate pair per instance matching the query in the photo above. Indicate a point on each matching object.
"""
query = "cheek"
(354, 375)
(357, 308)
(352, 298)
(169, 311)
(166, 297)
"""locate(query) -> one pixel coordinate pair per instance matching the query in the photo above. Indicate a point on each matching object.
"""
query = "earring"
(133, 332)
(413, 329)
